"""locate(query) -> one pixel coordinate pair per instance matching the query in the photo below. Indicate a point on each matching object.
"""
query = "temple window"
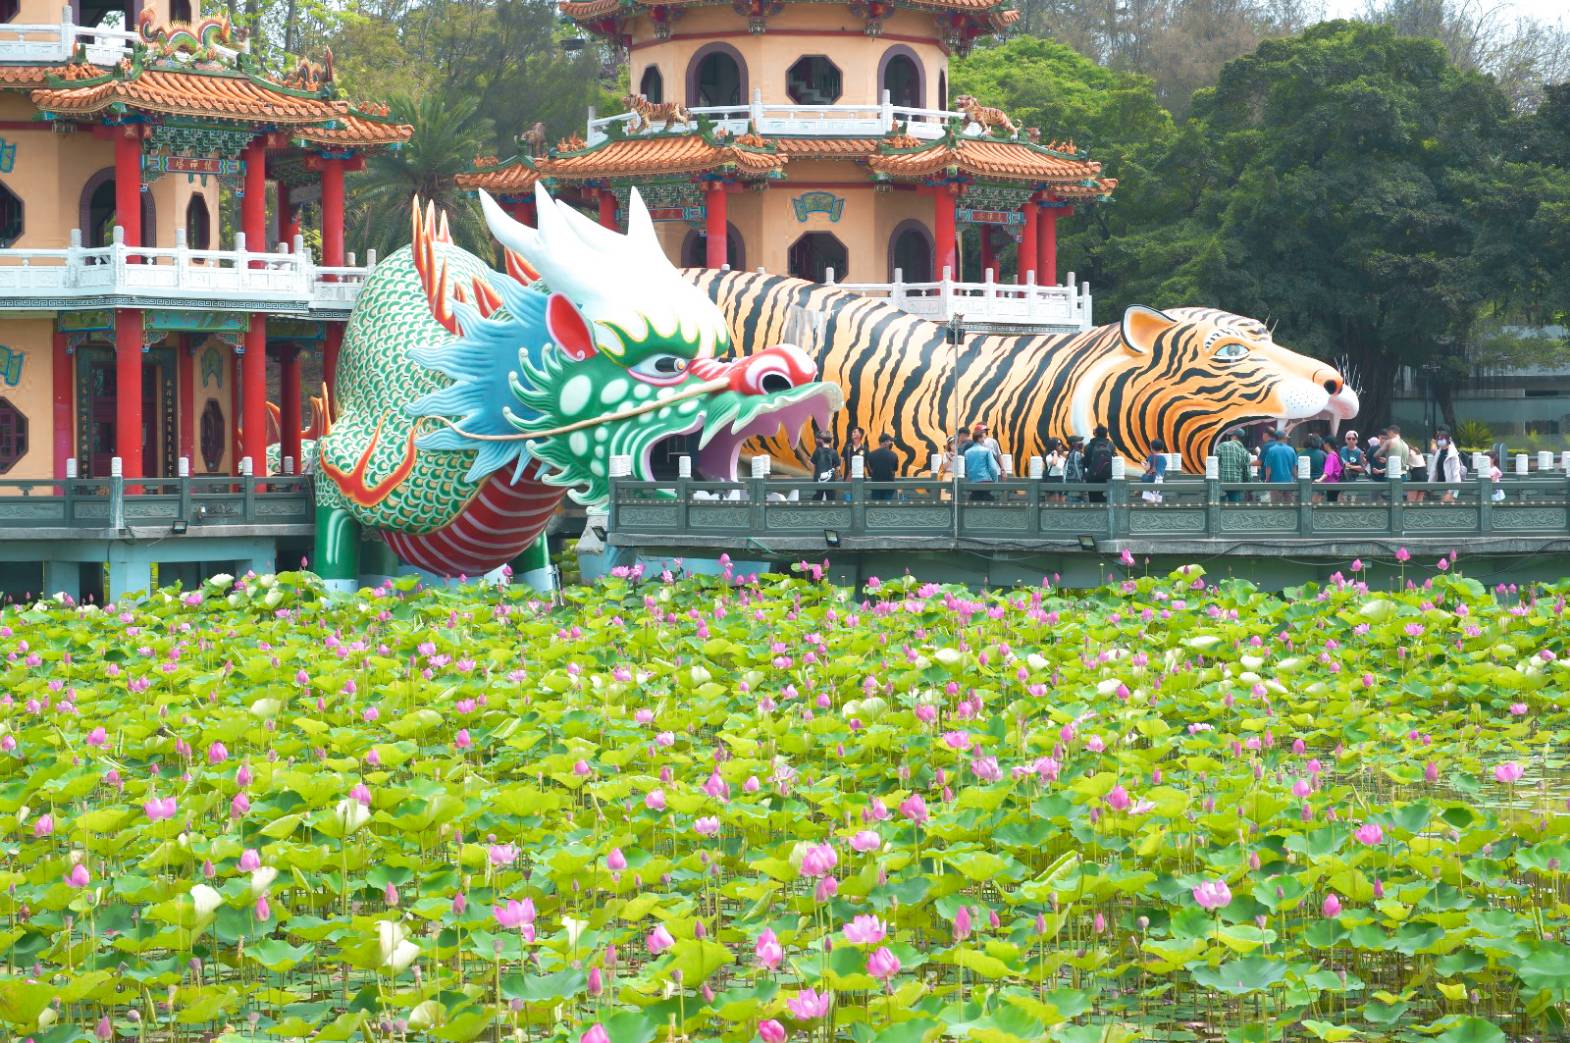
(212, 436)
(901, 77)
(943, 90)
(716, 77)
(10, 217)
(13, 435)
(813, 80)
(816, 254)
(9, 9)
(652, 86)
(198, 224)
(180, 11)
(910, 253)
(694, 249)
(98, 215)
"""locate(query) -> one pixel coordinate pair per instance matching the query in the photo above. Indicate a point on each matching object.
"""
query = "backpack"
(1074, 467)
(1100, 461)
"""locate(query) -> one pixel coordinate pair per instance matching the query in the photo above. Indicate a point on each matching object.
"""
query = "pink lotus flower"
(462, 740)
(771, 1031)
(78, 876)
(503, 854)
(865, 841)
(1118, 799)
(914, 809)
(962, 923)
(1509, 773)
(460, 903)
(1369, 833)
(250, 860)
(240, 806)
(1403, 555)
(882, 964)
(44, 826)
(98, 737)
(616, 861)
(808, 1004)
(596, 982)
(819, 860)
(707, 826)
(1331, 907)
(1212, 894)
(264, 911)
(655, 801)
(217, 753)
(596, 1034)
(159, 809)
(514, 913)
(659, 940)
(768, 951)
(865, 930)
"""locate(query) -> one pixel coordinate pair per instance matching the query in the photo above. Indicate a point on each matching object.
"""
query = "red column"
(332, 213)
(185, 356)
(289, 408)
(1047, 246)
(64, 418)
(608, 208)
(234, 408)
(943, 232)
(128, 390)
(128, 182)
(989, 258)
(253, 408)
(330, 345)
(1027, 246)
(288, 216)
(715, 225)
(522, 211)
(128, 321)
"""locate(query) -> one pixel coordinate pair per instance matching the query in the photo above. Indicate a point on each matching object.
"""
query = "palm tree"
(449, 133)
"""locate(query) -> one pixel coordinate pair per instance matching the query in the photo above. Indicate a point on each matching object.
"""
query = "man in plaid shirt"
(1232, 460)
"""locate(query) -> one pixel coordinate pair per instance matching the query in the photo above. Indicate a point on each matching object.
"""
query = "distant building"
(821, 140)
(1528, 400)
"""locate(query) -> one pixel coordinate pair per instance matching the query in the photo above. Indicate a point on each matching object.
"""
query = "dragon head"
(618, 355)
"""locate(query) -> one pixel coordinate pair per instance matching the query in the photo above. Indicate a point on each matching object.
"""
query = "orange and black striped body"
(1182, 377)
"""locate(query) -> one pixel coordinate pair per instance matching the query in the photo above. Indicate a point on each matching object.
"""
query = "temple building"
(821, 140)
(134, 329)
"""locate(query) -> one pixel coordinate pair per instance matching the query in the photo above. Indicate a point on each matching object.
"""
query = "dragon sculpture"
(468, 401)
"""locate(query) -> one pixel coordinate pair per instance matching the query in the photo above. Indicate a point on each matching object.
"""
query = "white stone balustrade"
(988, 302)
(829, 121)
(287, 278)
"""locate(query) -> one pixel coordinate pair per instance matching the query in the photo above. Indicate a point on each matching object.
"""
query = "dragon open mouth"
(730, 420)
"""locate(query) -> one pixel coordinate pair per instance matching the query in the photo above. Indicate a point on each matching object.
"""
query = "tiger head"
(1198, 372)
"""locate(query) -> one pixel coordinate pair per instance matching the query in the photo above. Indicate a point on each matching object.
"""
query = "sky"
(1543, 10)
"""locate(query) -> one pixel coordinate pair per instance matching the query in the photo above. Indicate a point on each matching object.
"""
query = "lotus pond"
(728, 808)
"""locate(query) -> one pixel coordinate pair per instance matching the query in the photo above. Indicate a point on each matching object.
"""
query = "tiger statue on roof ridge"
(646, 112)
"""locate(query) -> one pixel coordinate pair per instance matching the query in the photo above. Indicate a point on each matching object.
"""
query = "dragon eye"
(661, 369)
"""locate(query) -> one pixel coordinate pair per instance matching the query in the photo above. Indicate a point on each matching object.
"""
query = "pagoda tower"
(821, 140)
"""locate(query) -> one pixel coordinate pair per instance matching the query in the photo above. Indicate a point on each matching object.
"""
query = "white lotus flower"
(1203, 642)
(222, 580)
(574, 929)
(1108, 686)
(265, 708)
(426, 1015)
(206, 900)
(351, 815)
(1252, 662)
(701, 675)
(47, 1017)
(1036, 662)
(261, 879)
(397, 951)
(948, 656)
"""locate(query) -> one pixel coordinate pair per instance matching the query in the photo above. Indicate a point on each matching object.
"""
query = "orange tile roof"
(988, 159)
(39, 75)
(826, 148)
(660, 154)
(361, 129)
(581, 10)
(513, 177)
(180, 92)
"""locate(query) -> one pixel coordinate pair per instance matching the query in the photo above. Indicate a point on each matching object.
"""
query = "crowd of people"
(972, 453)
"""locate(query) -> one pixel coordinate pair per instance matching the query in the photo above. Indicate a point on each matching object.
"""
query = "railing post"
(886, 113)
(897, 291)
(1033, 525)
(615, 476)
(1305, 497)
(67, 32)
(858, 494)
(116, 494)
(185, 488)
(683, 492)
(1393, 470)
(247, 490)
(828, 276)
(1117, 500)
(182, 259)
(1213, 496)
(70, 490)
(755, 110)
(117, 260)
(946, 293)
(758, 494)
(1485, 500)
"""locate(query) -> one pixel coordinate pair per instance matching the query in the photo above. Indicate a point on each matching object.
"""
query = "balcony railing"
(287, 279)
(53, 43)
(117, 507)
(827, 121)
(987, 302)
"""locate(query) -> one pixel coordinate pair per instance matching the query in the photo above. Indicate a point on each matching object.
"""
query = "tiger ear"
(1141, 327)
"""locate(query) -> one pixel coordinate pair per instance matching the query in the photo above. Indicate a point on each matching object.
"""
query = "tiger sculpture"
(646, 113)
(1183, 376)
(985, 116)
